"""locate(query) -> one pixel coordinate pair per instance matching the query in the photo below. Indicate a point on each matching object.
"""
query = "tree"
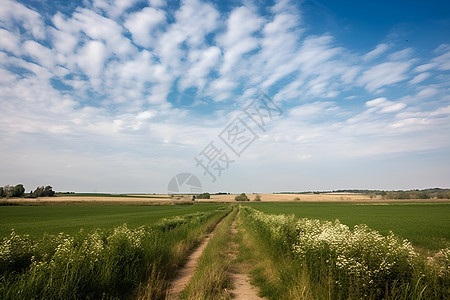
(39, 192)
(2, 192)
(44, 191)
(257, 197)
(204, 196)
(8, 190)
(18, 191)
(48, 192)
(242, 197)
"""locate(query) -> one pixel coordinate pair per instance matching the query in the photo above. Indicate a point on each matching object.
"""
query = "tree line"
(433, 193)
(18, 191)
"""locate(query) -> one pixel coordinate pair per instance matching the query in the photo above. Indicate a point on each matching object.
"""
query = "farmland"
(424, 224)
(289, 250)
(53, 219)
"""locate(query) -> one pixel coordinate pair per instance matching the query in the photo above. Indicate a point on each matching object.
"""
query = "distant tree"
(39, 192)
(204, 196)
(44, 191)
(242, 197)
(48, 191)
(18, 191)
(193, 198)
(2, 192)
(8, 190)
(257, 197)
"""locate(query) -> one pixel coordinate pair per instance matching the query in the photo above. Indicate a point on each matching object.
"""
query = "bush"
(242, 197)
(204, 196)
(257, 197)
(44, 191)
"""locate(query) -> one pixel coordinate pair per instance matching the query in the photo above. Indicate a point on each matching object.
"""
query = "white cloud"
(442, 62)
(238, 38)
(221, 89)
(383, 105)
(91, 58)
(393, 107)
(380, 49)
(142, 25)
(114, 8)
(7, 77)
(419, 78)
(117, 95)
(9, 42)
(13, 13)
(97, 27)
(64, 43)
(43, 55)
(314, 52)
(376, 102)
(384, 74)
(404, 54)
(193, 21)
(427, 92)
(424, 67)
(202, 62)
(146, 115)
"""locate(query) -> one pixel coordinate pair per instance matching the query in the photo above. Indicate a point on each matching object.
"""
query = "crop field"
(426, 225)
(278, 250)
(53, 219)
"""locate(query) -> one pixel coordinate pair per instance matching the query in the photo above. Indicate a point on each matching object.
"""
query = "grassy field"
(53, 219)
(293, 258)
(425, 224)
(115, 261)
(291, 250)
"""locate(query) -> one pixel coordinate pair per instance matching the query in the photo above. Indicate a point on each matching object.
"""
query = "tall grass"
(314, 259)
(123, 263)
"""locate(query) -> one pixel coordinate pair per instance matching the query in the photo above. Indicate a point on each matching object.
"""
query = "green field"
(287, 257)
(426, 225)
(53, 219)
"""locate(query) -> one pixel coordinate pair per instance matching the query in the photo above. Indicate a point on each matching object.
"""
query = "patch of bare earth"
(242, 288)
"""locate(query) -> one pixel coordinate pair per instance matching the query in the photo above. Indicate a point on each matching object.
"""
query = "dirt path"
(242, 290)
(186, 273)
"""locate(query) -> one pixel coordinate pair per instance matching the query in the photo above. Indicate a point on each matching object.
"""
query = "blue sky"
(120, 96)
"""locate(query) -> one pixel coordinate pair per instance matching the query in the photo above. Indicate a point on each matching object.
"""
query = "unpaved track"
(186, 273)
(242, 289)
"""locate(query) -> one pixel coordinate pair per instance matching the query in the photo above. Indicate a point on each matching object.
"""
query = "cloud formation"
(165, 78)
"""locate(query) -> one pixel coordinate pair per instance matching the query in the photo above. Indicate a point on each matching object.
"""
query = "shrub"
(204, 196)
(257, 197)
(242, 197)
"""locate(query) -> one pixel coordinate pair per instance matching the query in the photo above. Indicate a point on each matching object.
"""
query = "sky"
(123, 96)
